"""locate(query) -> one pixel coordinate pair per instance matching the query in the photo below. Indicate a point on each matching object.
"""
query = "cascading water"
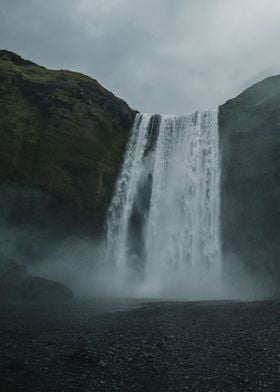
(163, 223)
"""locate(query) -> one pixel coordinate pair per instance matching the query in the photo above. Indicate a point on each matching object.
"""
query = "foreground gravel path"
(94, 346)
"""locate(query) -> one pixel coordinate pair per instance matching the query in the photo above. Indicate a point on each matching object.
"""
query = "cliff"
(62, 142)
(250, 189)
(63, 137)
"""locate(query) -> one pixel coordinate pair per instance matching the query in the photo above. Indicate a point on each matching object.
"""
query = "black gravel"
(121, 346)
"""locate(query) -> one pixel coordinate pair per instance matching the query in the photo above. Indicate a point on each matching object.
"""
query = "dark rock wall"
(250, 188)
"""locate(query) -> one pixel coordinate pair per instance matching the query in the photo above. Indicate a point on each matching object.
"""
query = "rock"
(250, 188)
(34, 287)
(63, 137)
(11, 276)
(16, 283)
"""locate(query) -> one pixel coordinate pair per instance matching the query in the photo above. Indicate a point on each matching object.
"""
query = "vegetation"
(62, 139)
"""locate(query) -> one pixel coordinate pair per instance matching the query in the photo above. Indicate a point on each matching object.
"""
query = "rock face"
(250, 189)
(62, 142)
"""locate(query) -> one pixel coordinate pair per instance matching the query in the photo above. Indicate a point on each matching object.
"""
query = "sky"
(161, 56)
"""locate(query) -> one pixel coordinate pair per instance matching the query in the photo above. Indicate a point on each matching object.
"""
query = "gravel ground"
(124, 346)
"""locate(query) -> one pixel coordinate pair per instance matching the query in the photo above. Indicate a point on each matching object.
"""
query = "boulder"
(16, 283)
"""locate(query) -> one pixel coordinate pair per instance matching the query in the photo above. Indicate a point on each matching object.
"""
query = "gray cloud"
(158, 55)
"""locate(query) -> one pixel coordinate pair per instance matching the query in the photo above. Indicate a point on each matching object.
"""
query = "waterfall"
(163, 223)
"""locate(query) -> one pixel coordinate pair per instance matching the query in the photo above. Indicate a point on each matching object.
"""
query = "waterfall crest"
(163, 223)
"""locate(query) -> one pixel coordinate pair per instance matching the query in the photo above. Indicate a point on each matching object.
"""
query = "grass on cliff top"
(38, 74)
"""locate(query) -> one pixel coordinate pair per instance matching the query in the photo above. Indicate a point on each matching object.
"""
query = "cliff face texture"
(250, 146)
(62, 141)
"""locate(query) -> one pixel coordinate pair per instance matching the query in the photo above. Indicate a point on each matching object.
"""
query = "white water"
(163, 224)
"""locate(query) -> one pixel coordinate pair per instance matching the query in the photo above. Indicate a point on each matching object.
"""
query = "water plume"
(163, 224)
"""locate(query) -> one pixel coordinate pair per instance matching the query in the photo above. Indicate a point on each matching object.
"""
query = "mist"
(81, 265)
(163, 238)
(90, 268)
(86, 266)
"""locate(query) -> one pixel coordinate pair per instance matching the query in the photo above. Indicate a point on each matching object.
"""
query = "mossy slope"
(62, 142)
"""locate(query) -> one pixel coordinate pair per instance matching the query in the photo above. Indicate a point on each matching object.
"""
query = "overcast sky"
(166, 56)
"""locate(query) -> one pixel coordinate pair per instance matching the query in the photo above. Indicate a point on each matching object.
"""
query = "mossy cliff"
(62, 142)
